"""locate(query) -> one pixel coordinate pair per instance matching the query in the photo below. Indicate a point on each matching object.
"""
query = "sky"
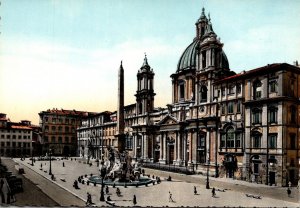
(66, 54)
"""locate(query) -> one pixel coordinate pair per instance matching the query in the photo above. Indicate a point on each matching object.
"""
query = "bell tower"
(145, 92)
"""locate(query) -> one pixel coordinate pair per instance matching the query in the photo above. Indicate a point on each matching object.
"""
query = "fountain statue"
(120, 170)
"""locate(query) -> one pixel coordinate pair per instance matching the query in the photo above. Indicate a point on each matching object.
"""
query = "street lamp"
(32, 154)
(103, 173)
(50, 170)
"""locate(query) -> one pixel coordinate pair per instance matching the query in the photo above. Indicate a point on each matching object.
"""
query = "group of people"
(118, 192)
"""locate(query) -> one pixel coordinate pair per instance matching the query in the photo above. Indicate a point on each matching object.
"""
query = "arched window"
(257, 90)
(203, 94)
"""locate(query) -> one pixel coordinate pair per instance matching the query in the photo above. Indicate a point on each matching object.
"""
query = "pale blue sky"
(66, 54)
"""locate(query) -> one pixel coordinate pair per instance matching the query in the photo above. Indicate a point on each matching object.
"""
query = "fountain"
(120, 171)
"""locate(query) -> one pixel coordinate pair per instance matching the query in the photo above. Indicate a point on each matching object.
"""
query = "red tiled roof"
(21, 127)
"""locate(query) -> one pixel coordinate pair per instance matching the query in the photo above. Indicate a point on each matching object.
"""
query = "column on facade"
(134, 146)
(190, 138)
(161, 147)
(165, 147)
(145, 152)
(175, 148)
(179, 150)
(184, 138)
(208, 134)
(142, 147)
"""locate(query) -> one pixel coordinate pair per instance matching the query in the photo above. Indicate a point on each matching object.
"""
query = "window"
(222, 109)
(272, 86)
(46, 128)
(238, 107)
(53, 128)
(128, 142)
(14, 136)
(257, 90)
(230, 138)
(272, 141)
(223, 91)
(203, 59)
(181, 90)
(272, 115)
(203, 94)
(53, 139)
(67, 140)
(230, 107)
(46, 119)
(292, 141)
(59, 129)
(238, 88)
(67, 121)
(256, 140)
(59, 140)
(231, 89)
(201, 142)
(223, 140)
(73, 130)
(256, 116)
(54, 120)
(67, 129)
(293, 114)
(238, 140)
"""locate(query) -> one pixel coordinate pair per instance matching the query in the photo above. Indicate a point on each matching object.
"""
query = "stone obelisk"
(120, 114)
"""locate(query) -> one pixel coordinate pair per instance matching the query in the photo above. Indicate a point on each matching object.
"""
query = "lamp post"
(50, 170)
(32, 163)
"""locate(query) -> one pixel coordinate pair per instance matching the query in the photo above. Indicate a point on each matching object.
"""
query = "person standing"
(134, 200)
(195, 190)
(213, 192)
(289, 192)
(170, 197)
(106, 190)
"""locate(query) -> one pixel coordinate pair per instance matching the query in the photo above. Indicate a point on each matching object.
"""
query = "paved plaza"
(181, 187)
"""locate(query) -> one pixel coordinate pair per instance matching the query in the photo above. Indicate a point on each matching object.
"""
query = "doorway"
(171, 154)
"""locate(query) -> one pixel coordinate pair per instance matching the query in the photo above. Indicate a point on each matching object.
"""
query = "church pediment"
(168, 120)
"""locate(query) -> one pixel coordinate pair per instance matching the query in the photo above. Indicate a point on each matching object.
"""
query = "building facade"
(58, 129)
(15, 138)
(222, 124)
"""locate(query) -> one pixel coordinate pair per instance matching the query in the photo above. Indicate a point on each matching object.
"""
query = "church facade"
(219, 123)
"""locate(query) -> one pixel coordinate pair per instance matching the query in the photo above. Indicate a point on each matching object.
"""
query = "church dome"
(188, 58)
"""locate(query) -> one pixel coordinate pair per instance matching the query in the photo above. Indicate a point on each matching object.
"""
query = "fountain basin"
(142, 181)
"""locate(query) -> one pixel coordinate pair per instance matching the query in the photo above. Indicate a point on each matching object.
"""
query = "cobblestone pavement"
(181, 187)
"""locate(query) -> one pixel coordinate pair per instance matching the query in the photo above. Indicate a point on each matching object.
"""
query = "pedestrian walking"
(108, 198)
(63, 164)
(195, 190)
(118, 192)
(134, 200)
(170, 197)
(106, 190)
(89, 199)
(289, 192)
(213, 192)
(41, 165)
